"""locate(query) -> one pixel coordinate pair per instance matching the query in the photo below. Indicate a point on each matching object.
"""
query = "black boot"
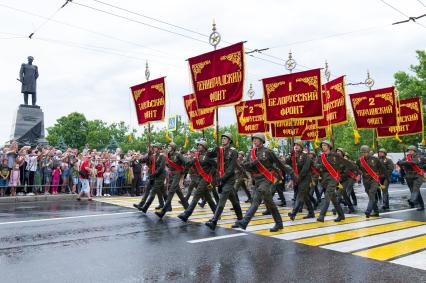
(341, 215)
(183, 216)
(160, 213)
(420, 208)
(292, 216)
(320, 218)
(159, 207)
(266, 212)
(138, 206)
(278, 221)
(277, 227)
(211, 224)
(240, 224)
(310, 215)
(238, 211)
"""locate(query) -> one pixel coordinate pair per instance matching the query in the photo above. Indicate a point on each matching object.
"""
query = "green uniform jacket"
(267, 158)
(230, 156)
(374, 164)
(336, 162)
(409, 170)
(388, 166)
(303, 163)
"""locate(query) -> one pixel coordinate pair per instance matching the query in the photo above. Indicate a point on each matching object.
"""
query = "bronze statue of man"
(28, 76)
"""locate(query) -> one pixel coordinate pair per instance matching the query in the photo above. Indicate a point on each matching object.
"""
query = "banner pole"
(147, 74)
(327, 76)
(214, 40)
(290, 64)
(369, 82)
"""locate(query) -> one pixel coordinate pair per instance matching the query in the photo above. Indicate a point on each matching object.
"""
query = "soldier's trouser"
(174, 189)
(147, 192)
(348, 187)
(303, 198)
(330, 195)
(295, 189)
(279, 188)
(262, 191)
(414, 184)
(228, 193)
(200, 192)
(241, 183)
(136, 183)
(386, 192)
(156, 190)
(353, 196)
(371, 189)
(215, 195)
(192, 185)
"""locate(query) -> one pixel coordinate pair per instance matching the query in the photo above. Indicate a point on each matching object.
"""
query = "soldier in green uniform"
(148, 159)
(204, 165)
(330, 165)
(241, 177)
(156, 179)
(227, 162)
(371, 169)
(386, 177)
(301, 164)
(176, 163)
(347, 179)
(413, 165)
(314, 181)
(260, 164)
(195, 178)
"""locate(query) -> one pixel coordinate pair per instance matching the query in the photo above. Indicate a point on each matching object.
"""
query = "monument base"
(28, 126)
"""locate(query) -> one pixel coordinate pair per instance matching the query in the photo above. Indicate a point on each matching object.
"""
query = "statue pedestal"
(28, 126)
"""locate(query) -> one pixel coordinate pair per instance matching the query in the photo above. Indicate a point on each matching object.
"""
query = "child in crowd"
(15, 179)
(56, 176)
(4, 176)
(107, 182)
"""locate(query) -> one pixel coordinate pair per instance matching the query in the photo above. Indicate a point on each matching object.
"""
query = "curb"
(37, 198)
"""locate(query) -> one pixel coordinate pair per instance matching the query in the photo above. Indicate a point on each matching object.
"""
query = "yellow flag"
(191, 128)
(186, 142)
(268, 135)
(214, 134)
(357, 136)
(317, 142)
(168, 137)
(397, 138)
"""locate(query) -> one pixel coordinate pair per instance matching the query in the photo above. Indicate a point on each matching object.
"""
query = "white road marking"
(64, 218)
(397, 211)
(417, 260)
(334, 229)
(217, 238)
(374, 240)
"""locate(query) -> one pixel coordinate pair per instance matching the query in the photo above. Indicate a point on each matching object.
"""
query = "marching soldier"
(260, 164)
(330, 165)
(314, 181)
(147, 159)
(227, 162)
(388, 165)
(301, 163)
(413, 164)
(156, 179)
(353, 175)
(371, 169)
(175, 162)
(347, 179)
(241, 174)
(204, 165)
(195, 178)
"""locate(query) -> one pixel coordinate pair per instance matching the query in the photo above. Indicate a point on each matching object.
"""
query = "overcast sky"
(88, 61)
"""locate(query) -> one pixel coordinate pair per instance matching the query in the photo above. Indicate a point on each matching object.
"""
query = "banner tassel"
(357, 136)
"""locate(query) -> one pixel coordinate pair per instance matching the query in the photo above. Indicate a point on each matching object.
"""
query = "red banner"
(150, 100)
(287, 129)
(374, 108)
(218, 76)
(293, 96)
(199, 118)
(410, 119)
(250, 116)
(312, 131)
(334, 103)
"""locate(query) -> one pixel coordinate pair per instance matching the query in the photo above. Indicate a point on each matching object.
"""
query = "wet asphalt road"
(126, 246)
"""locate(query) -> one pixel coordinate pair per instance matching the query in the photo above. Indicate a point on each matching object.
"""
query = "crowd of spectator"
(47, 170)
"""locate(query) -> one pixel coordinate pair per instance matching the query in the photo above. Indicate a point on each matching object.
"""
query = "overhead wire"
(399, 11)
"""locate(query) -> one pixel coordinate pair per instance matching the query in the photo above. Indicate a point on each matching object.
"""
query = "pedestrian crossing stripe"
(383, 239)
(353, 234)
